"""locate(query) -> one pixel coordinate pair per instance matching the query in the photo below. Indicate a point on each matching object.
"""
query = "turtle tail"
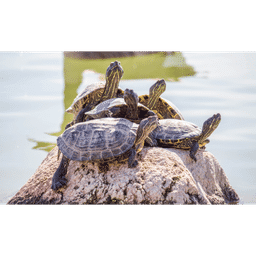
(209, 126)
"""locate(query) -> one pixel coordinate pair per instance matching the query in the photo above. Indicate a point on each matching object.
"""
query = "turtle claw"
(58, 183)
(194, 158)
(133, 165)
(194, 148)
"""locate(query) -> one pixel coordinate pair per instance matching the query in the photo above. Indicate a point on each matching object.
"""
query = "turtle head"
(209, 126)
(114, 74)
(154, 93)
(157, 88)
(146, 126)
(131, 98)
(149, 124)
(114, 70)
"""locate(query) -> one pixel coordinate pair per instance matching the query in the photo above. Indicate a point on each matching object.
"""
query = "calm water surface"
(32, 110)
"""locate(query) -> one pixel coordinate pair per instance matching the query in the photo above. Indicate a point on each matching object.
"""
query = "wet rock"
(163, 176)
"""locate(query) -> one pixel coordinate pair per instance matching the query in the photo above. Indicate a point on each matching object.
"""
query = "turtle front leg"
(58, 179)
(151, 141)
(132, 163)
(202, 145)
(69, 125)
(193, 150)
(80, 115)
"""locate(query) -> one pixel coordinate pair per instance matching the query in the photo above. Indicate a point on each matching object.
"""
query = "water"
(30, 107)
(34, 95)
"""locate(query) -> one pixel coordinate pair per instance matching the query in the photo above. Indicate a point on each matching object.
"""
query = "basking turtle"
(100, 141)
(127, 107)
(162, 107)
(184, 135)
(97, 92)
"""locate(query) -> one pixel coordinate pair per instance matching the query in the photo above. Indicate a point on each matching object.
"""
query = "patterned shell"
(172, 129)
(97, 139)
(107, 104)
(91, 93)
(164, 107)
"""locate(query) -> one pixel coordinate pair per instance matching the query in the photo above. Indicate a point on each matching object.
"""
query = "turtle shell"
(97, 139)
(116, 102)
(176, 130)
(91, 93)
(107, 104)
(164, 108)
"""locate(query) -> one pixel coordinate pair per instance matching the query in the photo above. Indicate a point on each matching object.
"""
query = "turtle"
(162, 107)
(102, 140)
(97, 92)
(126, 107)
(173, 133)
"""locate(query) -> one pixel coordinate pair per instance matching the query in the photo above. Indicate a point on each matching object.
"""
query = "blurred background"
(37, 87)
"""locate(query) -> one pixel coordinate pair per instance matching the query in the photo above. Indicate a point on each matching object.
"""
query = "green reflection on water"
(151, 66)
(46, 146)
